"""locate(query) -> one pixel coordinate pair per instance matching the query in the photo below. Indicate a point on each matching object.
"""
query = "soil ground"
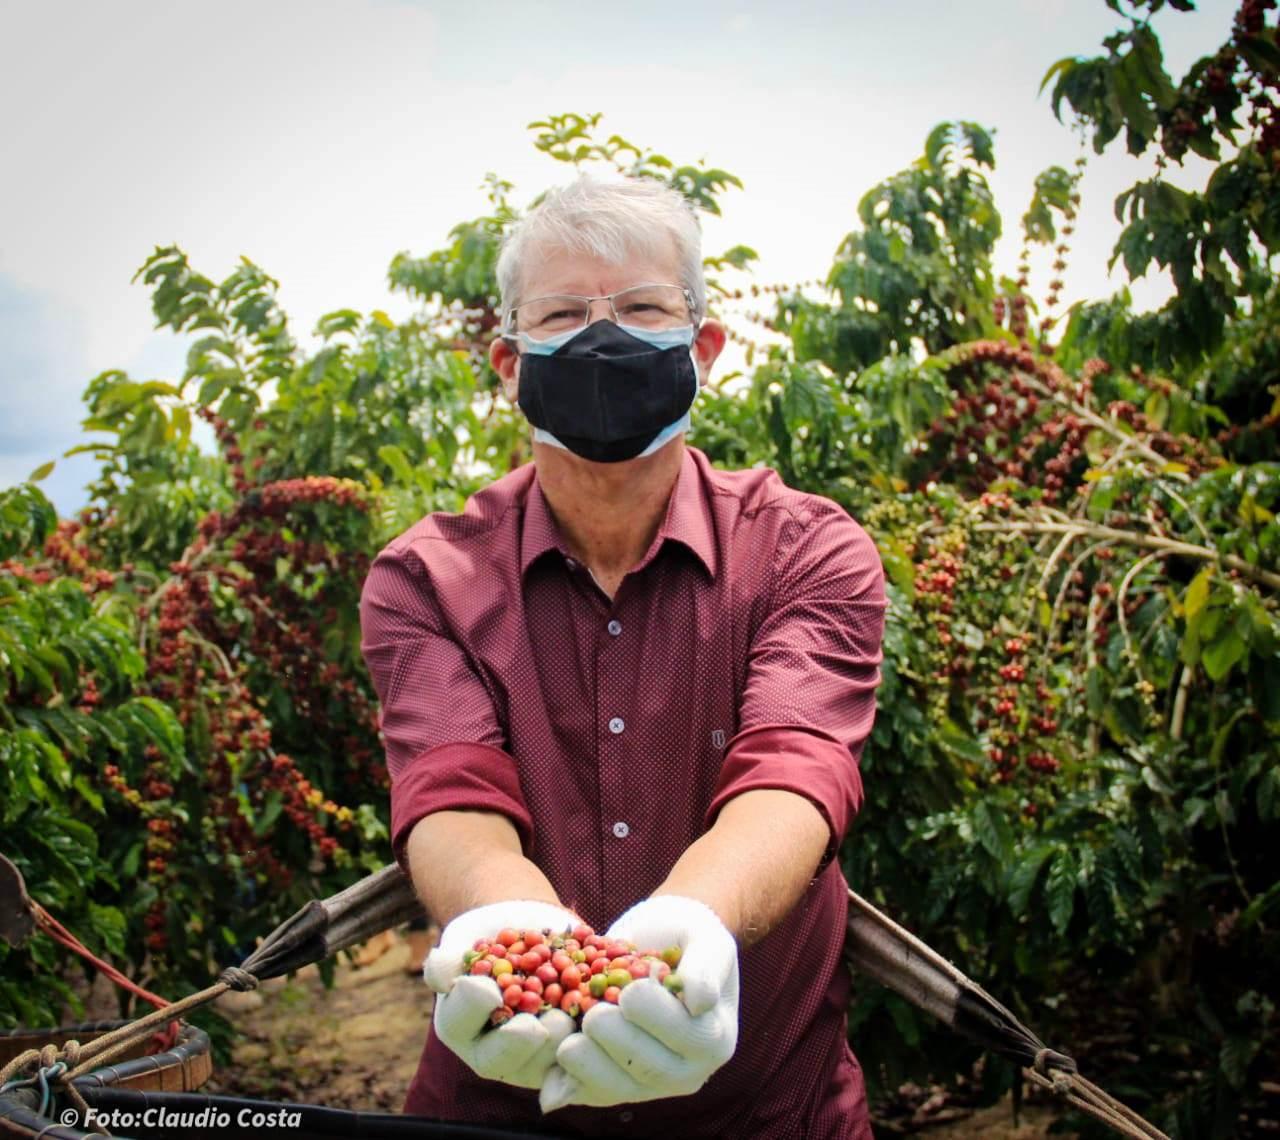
(357, 1045)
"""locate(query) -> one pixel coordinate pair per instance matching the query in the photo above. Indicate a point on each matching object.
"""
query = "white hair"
(610, 219)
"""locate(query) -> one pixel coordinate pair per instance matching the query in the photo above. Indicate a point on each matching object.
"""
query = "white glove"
(653, 1044)
(521, 1050)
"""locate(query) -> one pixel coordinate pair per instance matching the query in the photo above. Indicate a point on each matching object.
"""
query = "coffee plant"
(1072, 784)
(190, 739)
(1073, 781)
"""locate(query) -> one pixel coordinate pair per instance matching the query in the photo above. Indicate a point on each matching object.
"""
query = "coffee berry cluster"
(540, 970)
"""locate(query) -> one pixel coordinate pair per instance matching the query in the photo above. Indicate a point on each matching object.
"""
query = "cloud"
(319, 137)
(44, 367)
(42, 370)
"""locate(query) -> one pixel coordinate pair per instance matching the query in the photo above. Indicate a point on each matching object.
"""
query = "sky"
(321, 137)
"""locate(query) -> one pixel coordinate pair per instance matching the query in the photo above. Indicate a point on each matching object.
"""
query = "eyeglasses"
(643, 306)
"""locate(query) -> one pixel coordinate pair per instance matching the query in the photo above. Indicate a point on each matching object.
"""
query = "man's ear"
(707, 346)
(506, 363)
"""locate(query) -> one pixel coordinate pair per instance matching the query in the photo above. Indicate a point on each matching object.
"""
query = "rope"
(50, 1067)
(106, 1048)
(45, 1057)
(63, 1066)
(238, 979)
(60, 934)
(54, 1066)
(1083, 1094)
(1052, 1071)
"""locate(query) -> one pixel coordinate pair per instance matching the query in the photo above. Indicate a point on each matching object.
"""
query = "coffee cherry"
(544, 975)
(570, 1003)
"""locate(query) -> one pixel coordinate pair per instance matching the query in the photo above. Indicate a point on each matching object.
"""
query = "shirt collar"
(687, 521)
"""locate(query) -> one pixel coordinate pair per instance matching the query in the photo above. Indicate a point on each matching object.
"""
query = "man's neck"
(609, 512)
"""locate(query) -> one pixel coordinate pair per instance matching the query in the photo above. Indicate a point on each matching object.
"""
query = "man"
(627, 688)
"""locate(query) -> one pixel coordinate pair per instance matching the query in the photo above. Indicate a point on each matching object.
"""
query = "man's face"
(556, 271)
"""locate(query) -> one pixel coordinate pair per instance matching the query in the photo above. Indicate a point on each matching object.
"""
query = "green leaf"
(129, 864)
(936, 145)
(1100, 889)
(955, 740)
(213, 387)
(40, 472)
(270, 812)
(1261, 906)
(1261, 54)
(1193, 810)
(1062, 66)
(109, 925)
(897, 563)
(1148, 67)
(1023, 876)
(180, 425)
(1223, 735)
(88, 793)
(343, 320)
(1198, 593)
(1060, 888)
(395, 458)
(1269, 793)
(1125, 82)
(992, 830)
(1235, 1057)
(1095, 691)
(1128, 853)
(1222, 652)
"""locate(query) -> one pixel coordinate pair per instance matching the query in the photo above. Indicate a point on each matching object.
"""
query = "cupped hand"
(653, 1044)
(522, 1049)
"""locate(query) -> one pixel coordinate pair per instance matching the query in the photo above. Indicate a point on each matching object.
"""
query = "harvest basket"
(181, 1069)
(875, 946)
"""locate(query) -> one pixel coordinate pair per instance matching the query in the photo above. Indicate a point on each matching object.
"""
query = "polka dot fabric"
(741, 652)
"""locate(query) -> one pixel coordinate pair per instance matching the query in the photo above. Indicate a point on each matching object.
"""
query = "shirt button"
(616, 725)
(621, 830)
(615, 627)
(571, 563)
(626, 1116)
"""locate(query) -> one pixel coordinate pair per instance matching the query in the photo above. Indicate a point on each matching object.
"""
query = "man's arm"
(460, 860)
(468, 871)
(727, 889)
(458, 816)
(754, 863)
(789, 784)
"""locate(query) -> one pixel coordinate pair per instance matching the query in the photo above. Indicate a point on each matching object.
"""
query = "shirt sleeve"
(812, 672)
(444, 743)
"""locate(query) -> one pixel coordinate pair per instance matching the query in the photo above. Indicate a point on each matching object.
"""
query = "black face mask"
(606, 394)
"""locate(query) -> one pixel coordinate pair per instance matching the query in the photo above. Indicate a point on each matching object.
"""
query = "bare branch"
(1085, 529)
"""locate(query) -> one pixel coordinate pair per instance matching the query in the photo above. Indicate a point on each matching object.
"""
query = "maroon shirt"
(741, 652)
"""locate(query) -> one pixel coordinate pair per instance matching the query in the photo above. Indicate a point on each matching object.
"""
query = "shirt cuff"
(456, 777)
(798, 760)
